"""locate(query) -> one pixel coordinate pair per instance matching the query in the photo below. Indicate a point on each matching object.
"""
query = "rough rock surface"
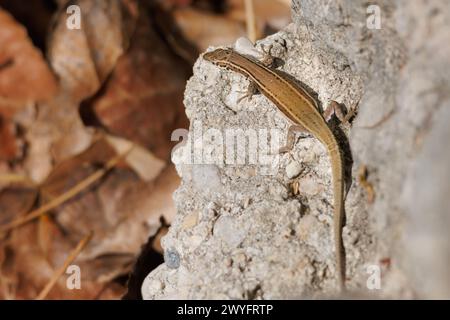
(242, 232)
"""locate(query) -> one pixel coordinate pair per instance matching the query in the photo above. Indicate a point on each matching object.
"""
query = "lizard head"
(219, 57)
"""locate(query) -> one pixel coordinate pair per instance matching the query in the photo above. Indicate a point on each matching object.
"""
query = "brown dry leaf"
(10, 144)
(144, 205)
(45, 234)
(121, 209)
(122, 212)
(142, 100)
(125, 206)
(24, 74)
(206, 29)
(20, 251)
(142, 161)
(38, 249)
(83, 58)
(56, 134)
(69, 172)
(24, 77)
(28, 269)
(5, 282)
(15, 201)
(35, 16)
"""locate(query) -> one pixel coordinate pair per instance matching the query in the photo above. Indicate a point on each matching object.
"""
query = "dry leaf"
(121, 209)
(28, 268)
(84, 57)
(142, 100)
(206, 29)
(142, 161)
(35, 17)
(24, 77)
(10, 144)
(15, 201)
(148, 259)
(56, 134)
(24, 74)
(144, 205)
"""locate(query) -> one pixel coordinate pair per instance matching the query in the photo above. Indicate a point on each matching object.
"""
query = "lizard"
(302, 111)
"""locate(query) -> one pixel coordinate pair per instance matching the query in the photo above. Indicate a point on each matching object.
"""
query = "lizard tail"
(339, 210)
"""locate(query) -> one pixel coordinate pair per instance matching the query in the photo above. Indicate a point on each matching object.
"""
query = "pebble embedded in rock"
(190, 220)
(154, 286)
(229, 231)
(310, 186)
(293, 169)
(172, 258)
(206, 178)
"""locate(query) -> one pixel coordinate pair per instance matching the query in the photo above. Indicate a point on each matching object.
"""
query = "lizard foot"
(293, 129)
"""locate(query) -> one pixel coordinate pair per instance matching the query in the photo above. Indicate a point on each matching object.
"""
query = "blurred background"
(88, 101)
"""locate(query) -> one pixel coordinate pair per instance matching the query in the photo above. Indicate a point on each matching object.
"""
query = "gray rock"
(172, 258)
(293, 169)
(253, 238)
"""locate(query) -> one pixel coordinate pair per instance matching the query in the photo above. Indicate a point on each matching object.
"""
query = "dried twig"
(16, 178)
(58, 273)
(250, 20)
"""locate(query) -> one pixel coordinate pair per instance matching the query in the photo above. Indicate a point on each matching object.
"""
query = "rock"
(172, 258)
(399, 74)
(206, 178)
(191, 220)
(293, 169)
(229, 231)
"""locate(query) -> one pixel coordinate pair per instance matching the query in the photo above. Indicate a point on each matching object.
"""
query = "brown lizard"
(303, 112)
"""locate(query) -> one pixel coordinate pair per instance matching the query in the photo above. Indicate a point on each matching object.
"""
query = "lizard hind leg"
(336, 109)
(290, 139)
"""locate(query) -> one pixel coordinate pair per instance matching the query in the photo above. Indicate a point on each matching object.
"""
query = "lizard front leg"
(268, 61)
(252, 89)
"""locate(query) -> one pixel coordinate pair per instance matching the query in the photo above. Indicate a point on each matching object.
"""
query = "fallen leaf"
(121, 210)
(29, 270)
(15, 201)
(10, 144)
(151, 201)
(142, 100)
(83, 58)
(206, 29)
(142, 161)
(24, 78)
(269, 14)
(24, 74)
(56, 134)
(35, 17)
